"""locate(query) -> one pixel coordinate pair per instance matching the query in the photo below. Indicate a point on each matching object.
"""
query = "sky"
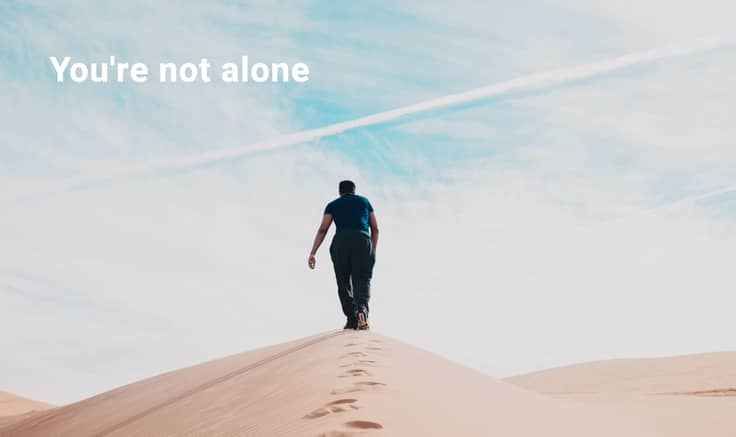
(588, 219)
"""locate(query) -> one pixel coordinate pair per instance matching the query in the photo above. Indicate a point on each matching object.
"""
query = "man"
(353, 251)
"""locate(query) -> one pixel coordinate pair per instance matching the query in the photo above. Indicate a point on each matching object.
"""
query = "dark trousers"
(353, 258)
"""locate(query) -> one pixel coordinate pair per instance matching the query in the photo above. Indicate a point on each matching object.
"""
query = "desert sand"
(689, 395)
(12, 405)
(346, 383)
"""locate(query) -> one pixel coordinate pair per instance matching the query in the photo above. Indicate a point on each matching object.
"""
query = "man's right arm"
(324, 226)
(373, 223)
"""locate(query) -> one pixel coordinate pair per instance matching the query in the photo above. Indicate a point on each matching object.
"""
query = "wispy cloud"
(527, 83)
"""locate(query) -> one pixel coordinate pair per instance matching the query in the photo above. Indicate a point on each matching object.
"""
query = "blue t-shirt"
(350, 213)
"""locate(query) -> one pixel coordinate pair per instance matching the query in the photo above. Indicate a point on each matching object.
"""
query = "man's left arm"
(319, 238)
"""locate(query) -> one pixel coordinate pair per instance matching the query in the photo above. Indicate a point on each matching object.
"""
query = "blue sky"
(534, 229)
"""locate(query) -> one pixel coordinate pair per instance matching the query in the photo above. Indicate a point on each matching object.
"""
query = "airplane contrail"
(524, 83)
(669, 205)
(696, 198)
(692, 199)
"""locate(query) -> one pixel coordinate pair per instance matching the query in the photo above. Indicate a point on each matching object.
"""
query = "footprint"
(320, 412)
(342, 401)
(367, 363)
(358, 386)
(346, 390)
(354, 355)
(374, 348)
(338, 406)
(370, 384)
(357, 372)
(351, 344)
(363, 424)
(354, 424)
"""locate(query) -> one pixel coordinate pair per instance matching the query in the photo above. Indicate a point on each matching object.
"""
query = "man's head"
(347, 187)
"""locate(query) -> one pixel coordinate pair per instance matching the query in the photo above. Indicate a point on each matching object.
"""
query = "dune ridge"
(348, 383)
(11, 405)
(694, 374)
(681, 396)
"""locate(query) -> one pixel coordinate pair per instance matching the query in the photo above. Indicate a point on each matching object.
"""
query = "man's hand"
(321, 232)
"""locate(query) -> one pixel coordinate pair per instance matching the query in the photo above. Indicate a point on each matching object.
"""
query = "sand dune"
(11, 405)
(689, 395)
(702, 374)
(347, 383)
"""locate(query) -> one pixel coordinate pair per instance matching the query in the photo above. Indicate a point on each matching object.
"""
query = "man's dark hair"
(347, 187)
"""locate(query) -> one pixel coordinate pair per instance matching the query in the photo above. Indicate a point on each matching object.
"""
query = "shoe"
(351, 324)
(362, 321)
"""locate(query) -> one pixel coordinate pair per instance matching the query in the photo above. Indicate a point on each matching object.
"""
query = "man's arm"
(374, 230)
(319, 238)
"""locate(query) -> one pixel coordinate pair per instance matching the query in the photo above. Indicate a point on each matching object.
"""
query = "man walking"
(353, 251)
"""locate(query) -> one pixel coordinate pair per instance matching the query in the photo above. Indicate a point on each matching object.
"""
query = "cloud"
(517, 85)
